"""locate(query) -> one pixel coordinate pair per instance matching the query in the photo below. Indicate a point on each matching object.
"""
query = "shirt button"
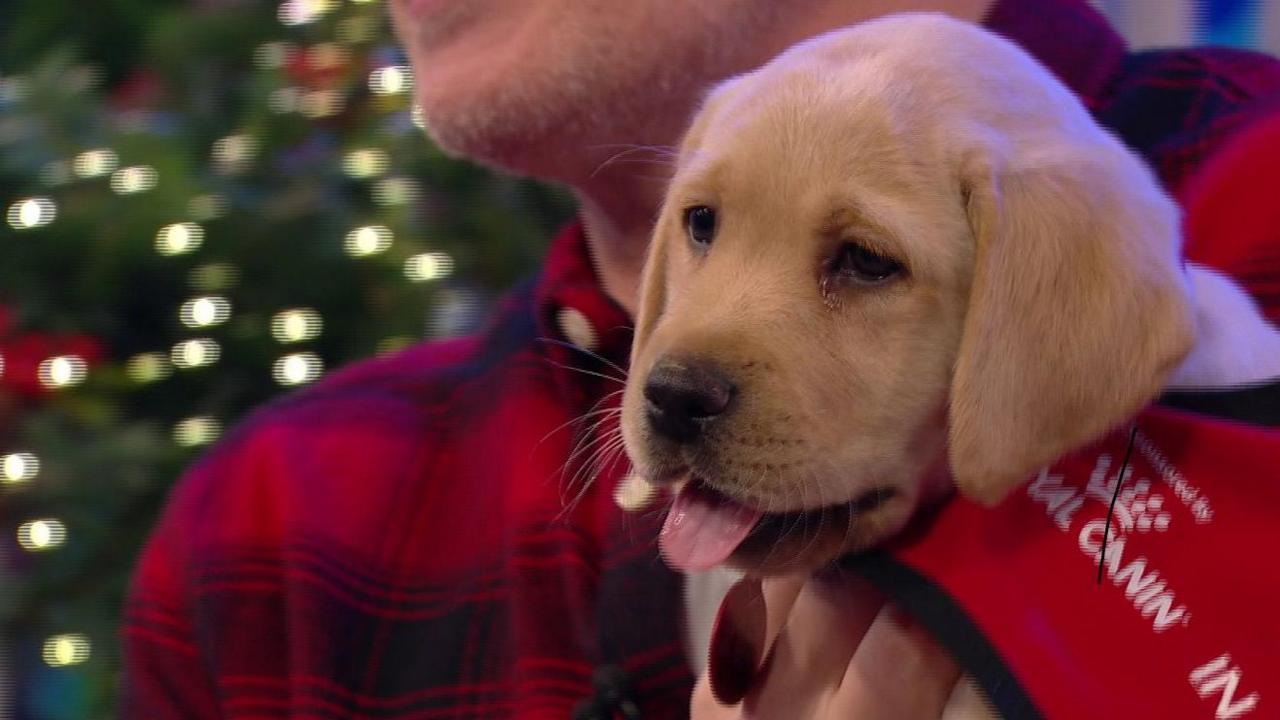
(577, 329)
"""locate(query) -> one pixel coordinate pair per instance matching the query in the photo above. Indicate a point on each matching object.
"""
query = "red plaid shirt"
(394, 542)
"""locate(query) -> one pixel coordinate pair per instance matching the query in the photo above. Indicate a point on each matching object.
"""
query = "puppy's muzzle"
(684, 396)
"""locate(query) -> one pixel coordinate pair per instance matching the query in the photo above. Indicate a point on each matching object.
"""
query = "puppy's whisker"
(589, 353)
(593, 412)
(601, 458)
(664, 155)
(589, 439)
(592, 373)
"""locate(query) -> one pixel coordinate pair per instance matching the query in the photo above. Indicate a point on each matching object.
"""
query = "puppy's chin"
(786, 543)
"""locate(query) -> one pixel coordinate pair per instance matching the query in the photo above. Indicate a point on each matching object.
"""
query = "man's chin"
(480, 131)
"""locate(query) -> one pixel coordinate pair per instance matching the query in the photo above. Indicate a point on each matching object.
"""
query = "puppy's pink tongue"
(704, 528)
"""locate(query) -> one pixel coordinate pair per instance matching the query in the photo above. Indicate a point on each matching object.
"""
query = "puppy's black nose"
(684, 396)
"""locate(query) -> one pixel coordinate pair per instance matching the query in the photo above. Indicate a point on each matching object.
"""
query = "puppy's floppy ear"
(1078, 309)
(653, 284)
(652, 299)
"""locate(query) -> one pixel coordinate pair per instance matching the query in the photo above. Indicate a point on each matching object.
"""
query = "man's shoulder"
(342, 453)
(1178, 106)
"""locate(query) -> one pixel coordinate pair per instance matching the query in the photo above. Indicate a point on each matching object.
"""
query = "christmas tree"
(205, 206)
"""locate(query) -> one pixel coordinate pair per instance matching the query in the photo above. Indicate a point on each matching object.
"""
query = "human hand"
(826, 646)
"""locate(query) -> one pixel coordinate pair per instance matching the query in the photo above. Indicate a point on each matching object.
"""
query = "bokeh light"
(18, 467)
(302, 12)
(62, 371)
(297, 368)
(391, 80)
(148, 367)
(66, 649)
(428, 266)
(43, 534)
(296, 325)
(94, 163)
(32, 212)
(205, 311)
(365, 163)
(196, 353)
(134, 179)
(179, 238)
(196, 431)
(368, 240)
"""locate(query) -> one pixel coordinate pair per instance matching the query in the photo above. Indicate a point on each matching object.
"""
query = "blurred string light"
(198, 430)
(327, 55)
(285, 100)
(212, 277)
(62, 371)
(207, 207)
(148, 367)
(205, 311)
(66, 649)
(365, 163)
(395, 191)
(1, 366)
(297, 368)
(179, 238)
(44, 534)
(55, 173)
(368, 240)
(428, 266)
(296, 325)
(271, 55)
(320, 104)
(196, 353)
(390, 80)
(13, 89)
(18, 467)
(30, 213)
(418, 117)
(232, 153)
(95, 163)
(302, 12)
(392, 344)
(133, 179)
(356, 30)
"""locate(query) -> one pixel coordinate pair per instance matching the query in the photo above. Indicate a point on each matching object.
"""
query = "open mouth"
(705, 527)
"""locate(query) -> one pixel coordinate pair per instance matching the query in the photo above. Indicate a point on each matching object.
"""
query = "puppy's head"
(897, 258)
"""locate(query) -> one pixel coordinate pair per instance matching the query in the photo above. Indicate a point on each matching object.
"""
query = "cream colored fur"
(1044, 299)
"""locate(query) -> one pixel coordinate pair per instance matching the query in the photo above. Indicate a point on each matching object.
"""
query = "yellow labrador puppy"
(899, 258)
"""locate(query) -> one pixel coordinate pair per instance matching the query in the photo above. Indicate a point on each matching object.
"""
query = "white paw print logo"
(1137, 509)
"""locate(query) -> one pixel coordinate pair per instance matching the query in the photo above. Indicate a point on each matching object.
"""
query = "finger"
(827, 621)
(780, 595)
(968, 702)
(898, 672)
(704, 706)
(749, 618)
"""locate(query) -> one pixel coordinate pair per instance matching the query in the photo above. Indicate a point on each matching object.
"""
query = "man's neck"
(617, 216)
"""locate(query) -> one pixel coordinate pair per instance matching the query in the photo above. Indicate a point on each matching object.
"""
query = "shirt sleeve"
(165, 673)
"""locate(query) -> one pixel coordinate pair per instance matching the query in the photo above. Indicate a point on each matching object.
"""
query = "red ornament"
(24, 353)
(316, 67)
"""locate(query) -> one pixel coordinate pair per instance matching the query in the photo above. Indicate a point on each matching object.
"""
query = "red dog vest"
(1183, 621)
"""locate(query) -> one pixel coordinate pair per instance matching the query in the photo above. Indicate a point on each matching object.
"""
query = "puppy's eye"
(855, 263)
(700, 223)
